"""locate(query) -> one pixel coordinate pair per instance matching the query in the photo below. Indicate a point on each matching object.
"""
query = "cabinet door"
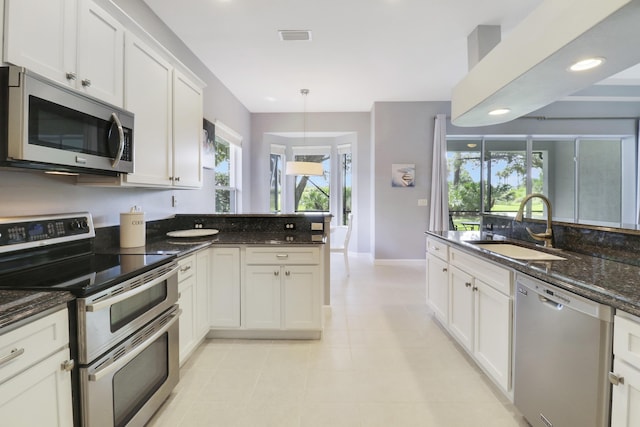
(225, 287)
(492, 344)
(301, 299)
(187, 339)
(202, 293)
(461, 307)
(100, 54)
(625, 409)
(45, 385)
(187, 132)
(438, 288)
(148, 94)
(41, 36)
(261, 298)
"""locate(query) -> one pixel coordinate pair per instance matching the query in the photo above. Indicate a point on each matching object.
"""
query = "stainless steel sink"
(518, 252)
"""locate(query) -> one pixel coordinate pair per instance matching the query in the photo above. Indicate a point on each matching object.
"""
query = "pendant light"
(304, 168)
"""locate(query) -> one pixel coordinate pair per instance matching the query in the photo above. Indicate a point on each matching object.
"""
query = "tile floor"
(383, 361)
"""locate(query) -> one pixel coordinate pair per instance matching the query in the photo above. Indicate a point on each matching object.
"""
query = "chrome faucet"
(547, 236)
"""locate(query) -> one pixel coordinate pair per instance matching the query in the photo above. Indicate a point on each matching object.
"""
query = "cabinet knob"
(86, 82)
(475, 289)
(444, 269)
(71, 76)
(67, 365)
(276, 273)
(177, 179)
(468, 284)
(615, 379)
(287, 273)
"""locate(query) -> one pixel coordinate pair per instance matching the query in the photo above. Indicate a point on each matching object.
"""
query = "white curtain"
(439, 206)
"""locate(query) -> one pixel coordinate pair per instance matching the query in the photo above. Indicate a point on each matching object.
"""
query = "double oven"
(123, 321)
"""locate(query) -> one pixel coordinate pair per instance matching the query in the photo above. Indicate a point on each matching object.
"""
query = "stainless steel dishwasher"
(562, 356)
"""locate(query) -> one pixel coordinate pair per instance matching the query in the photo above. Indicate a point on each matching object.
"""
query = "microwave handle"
(116, 122)
(121, 297)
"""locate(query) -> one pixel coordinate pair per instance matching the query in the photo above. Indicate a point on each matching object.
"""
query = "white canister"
(132, 228)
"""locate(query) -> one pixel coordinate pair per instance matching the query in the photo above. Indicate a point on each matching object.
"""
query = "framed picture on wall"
(208, 144)
(403, 175)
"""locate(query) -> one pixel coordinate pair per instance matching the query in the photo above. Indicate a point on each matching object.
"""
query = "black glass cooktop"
(82, 275)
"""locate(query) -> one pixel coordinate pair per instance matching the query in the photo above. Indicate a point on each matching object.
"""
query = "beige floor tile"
(383, 361)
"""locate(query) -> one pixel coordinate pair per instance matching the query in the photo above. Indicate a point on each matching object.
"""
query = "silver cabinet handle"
(121, 297)
(185, 268)
(615, 379)
(118, 125)
(71, 75)
(86, 82)
(282, 256)
(67, 365)
(15, 353)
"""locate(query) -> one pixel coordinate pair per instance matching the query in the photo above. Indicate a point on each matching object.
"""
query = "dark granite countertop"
(609, 282)
(16, 306)
(185, 246)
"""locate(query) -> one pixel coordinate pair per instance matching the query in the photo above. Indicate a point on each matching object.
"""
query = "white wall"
(31, 193)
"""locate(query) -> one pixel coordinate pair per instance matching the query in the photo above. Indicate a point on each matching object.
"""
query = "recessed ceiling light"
(587, 64)
(499, 111)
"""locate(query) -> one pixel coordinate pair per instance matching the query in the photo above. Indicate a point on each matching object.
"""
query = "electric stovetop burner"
(82, 275)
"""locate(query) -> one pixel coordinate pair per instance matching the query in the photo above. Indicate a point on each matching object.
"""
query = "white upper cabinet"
(100, 59)
(187, 132)
(76, 43)
(148, 94)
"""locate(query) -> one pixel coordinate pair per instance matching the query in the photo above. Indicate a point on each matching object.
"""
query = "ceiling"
(361, 51)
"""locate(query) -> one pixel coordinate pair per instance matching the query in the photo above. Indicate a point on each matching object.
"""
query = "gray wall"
(403, 134)
(29, 193)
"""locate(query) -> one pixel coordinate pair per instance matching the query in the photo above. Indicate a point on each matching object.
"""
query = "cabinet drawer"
(288, 255)
(438, 248)
(497, 277)
(34, 341)
(187, 266)
(626, 339)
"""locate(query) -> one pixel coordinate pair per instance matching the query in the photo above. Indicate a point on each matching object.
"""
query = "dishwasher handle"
(551, 304)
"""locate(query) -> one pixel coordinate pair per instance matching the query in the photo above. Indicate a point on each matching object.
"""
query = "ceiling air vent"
(295, 35)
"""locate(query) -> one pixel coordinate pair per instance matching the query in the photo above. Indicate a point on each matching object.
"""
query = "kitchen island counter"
(606, 281)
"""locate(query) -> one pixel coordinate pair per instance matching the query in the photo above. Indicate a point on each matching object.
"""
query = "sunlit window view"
(345, 185)
(312, 193)
(225, 193)
(275, 195)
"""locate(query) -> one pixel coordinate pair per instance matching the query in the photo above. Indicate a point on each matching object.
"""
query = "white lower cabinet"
(476, 296)
(225, 287)
(282, 288)
(193, 290)
(625, 394)
(438, 279)
(39, 374)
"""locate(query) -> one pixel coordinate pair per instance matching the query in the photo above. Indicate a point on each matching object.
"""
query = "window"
(227, 171)
(276, 169)
(344, 183)
(464, 164)
(312, 193)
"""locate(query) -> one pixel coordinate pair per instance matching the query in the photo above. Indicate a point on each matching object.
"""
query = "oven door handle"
(119, 363)
(121, 297)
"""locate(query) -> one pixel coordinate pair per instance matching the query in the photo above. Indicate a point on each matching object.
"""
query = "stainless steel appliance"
(124, 321)
(562, 356)
(45, 125)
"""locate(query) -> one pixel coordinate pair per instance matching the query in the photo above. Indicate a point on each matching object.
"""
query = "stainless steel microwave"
(45, 125)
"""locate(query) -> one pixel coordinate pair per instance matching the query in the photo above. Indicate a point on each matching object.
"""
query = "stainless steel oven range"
(124, 320)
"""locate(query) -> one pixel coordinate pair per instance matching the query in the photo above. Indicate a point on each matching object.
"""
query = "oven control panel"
(24, 232)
